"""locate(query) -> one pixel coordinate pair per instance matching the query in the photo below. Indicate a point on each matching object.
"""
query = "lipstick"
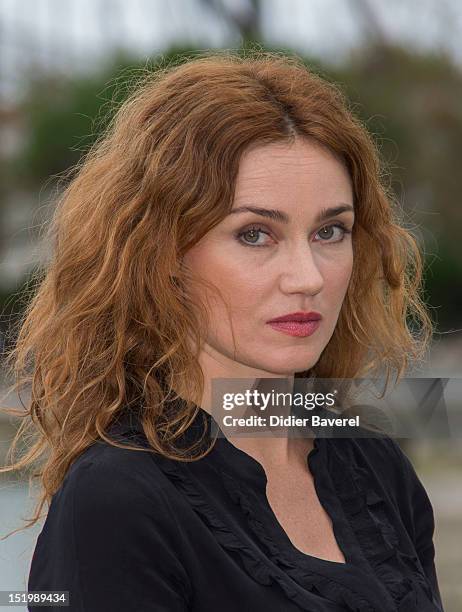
(299, 324)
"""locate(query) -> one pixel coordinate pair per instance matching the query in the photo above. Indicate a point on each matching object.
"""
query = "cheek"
(337, 278)
(241, 286)
(344, 274)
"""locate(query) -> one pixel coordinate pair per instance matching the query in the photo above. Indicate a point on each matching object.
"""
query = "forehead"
(295, 168)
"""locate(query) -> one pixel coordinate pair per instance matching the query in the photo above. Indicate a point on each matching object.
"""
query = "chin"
(288, 368)
(300, 363)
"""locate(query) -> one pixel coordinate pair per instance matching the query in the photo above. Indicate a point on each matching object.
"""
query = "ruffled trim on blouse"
(318, 583)
(255, 564)
(258, 566)
(366, 511)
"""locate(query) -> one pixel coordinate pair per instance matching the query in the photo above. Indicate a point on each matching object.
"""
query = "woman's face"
(267, 267)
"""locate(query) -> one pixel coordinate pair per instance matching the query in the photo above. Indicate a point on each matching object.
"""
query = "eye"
(328, 231)
(252, 234)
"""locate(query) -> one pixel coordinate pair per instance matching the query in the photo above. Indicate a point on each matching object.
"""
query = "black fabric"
(134, 531)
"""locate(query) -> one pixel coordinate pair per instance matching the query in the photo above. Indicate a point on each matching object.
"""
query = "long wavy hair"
(110, 313)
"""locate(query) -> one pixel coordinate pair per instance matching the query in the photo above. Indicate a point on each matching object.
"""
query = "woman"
(227, 193)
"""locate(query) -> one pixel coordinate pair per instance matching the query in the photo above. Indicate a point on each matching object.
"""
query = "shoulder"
(117, 527)
(117, 504)
(106, 476)
(104, 459)
(107, 486)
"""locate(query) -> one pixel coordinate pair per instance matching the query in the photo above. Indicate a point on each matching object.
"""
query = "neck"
(268, 450)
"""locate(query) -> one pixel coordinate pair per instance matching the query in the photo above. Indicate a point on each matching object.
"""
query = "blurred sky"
(73, 34)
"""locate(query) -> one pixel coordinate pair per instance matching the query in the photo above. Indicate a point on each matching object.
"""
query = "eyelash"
(257, 228)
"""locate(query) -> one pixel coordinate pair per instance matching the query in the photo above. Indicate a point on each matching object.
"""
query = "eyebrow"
(283, 217)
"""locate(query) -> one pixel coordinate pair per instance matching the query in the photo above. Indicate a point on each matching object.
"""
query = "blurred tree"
(411, 103)
(62, 116)
(244, 17)
(372, 27)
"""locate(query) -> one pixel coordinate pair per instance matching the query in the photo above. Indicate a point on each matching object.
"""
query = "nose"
(301, 273)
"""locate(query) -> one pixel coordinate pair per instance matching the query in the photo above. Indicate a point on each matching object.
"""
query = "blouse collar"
(230, 459)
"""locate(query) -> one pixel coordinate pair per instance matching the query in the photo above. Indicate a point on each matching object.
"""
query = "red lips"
(299, 316)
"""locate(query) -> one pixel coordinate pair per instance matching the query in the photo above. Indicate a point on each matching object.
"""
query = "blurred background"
(64, 67)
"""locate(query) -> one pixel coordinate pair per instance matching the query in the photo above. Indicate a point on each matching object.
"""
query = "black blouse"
(133, 531)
